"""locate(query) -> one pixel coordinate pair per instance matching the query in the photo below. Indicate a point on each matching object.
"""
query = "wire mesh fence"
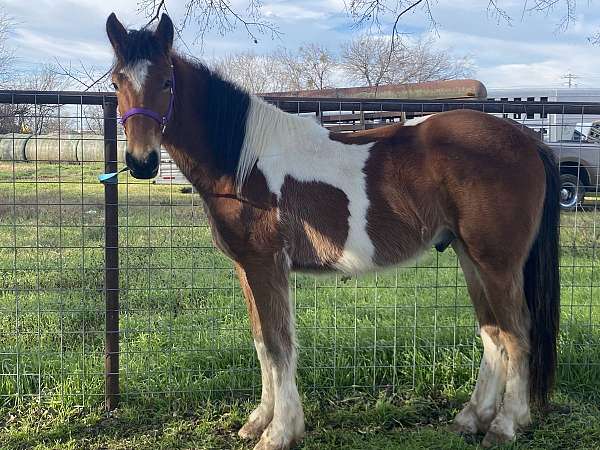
(182, 327)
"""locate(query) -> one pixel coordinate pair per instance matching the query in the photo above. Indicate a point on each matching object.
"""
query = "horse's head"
(143, 79)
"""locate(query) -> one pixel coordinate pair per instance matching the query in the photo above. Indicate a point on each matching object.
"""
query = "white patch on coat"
(137, 73)
(283, 144)
(416, 121)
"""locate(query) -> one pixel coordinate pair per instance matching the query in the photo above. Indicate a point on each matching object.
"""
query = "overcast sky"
(530, 51)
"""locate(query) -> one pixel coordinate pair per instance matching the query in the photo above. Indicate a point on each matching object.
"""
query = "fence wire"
(183, 327)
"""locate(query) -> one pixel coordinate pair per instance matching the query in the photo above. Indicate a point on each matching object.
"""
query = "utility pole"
(570, 77)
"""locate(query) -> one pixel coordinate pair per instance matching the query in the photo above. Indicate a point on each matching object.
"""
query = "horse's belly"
(310, 253)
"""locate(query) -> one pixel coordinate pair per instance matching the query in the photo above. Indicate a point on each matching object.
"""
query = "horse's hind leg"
(504, 290)
(485, 401)
(279, 419)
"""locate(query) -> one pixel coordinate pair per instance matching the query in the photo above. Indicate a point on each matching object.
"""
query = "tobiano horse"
(283, 194)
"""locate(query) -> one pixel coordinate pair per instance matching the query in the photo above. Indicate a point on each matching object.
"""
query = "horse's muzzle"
(143, 170)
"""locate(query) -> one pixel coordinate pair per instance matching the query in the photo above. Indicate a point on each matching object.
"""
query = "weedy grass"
(385, 359)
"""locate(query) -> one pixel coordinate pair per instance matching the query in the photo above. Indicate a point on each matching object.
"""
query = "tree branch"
(501, 15)
(84, 76)
(218, 14)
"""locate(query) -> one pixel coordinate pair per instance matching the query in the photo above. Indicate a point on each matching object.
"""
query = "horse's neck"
(186, 140)
(267, 132)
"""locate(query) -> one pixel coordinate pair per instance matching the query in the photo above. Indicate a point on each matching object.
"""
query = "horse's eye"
(167, 84)
(115, 87)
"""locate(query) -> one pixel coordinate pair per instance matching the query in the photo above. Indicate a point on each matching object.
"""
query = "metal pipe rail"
(305, 105)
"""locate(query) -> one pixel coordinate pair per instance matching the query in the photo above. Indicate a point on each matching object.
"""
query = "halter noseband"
(161, 120)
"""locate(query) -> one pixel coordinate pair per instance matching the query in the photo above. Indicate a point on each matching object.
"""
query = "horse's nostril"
(152, 160)
(129, 161)
(144, 169)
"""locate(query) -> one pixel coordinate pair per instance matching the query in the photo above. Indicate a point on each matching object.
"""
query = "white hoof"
(257, 422)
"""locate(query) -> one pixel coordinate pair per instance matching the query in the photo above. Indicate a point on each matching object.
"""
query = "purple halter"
(161, 120)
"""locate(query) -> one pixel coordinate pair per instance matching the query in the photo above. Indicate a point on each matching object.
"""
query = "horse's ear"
(165, 31)
(117, 34)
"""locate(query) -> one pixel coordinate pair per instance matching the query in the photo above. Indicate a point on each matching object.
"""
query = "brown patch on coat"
(402, 218)
(314, 223)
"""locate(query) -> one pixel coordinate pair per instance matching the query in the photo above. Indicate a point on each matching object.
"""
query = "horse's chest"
(219, 238)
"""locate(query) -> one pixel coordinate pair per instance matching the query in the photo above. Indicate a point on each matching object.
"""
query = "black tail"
(542, 288)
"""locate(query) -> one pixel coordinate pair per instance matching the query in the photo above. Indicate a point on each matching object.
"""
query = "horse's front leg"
(279, 418)
(261, 417)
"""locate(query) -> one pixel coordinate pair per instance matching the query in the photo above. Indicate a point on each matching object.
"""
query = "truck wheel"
(571, 192)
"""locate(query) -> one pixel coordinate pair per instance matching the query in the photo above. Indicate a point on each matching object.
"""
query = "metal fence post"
(111, 254)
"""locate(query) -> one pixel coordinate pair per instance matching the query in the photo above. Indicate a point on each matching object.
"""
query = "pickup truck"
(579, 164)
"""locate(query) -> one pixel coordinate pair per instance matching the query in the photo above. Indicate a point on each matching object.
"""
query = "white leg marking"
(491, 382)
(267, 397)
(287, 426)
(487, 396)
(519, 403)
(282, 144)
(261, 417)
(515, 409)
(136, 74)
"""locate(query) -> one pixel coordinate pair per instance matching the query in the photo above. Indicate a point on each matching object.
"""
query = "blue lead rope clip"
(111, 178)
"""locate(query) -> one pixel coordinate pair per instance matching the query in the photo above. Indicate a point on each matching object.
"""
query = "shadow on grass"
(360, 421)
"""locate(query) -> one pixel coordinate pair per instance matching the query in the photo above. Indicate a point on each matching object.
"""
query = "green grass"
(385, 359)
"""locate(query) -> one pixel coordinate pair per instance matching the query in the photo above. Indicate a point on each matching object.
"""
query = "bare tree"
(310, 67)
(426, 63)
(83, 77)
(33, 118)
(7, 112)
(6, 52)
(318, 64)
(40, 118)
(291, 71)
(368, 61)
(255, 73)
(375, 13)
